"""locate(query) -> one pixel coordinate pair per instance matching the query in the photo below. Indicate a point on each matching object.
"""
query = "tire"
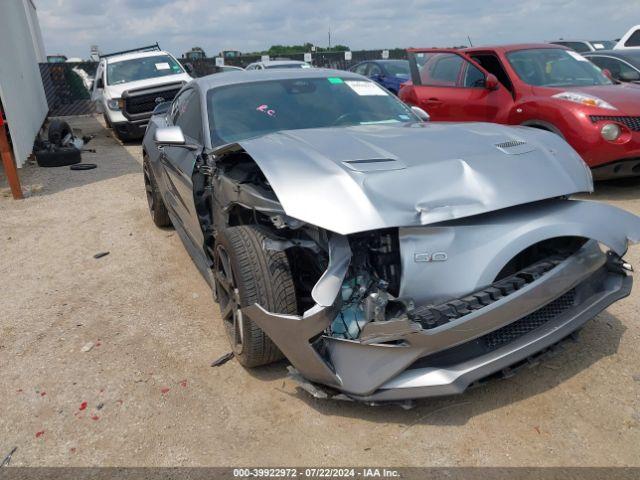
(58, 129)
(246, 274)
(157, 208)
(58, 157)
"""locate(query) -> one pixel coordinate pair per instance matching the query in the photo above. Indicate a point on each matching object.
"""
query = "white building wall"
(21, 90)
(34, 28)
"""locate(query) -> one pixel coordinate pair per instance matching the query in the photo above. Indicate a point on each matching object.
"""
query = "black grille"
(527, 324)
(146, 103)
(431, 316)
(632, 123)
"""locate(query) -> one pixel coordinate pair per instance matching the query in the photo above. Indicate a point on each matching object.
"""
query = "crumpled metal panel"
(474, 250)
(368, 177)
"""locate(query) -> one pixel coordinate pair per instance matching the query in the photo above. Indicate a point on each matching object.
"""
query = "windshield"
(555, 67)
(142, 68)
(246, 110)
(288, 65)
(397, 68)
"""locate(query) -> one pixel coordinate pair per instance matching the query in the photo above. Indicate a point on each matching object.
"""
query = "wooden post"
(8, 162)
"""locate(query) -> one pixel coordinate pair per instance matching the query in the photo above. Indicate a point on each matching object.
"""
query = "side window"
(441, 70)
(374, 69)
(178, 104)
(361, 69)
(615, 66)
(492, 65)
(473, 77)
(633, 40)
(188, 116)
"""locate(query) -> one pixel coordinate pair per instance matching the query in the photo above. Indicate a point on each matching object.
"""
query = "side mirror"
(99, 83)
(491, 82)
(172, 137)
(189, 68)
(422, 115)
(629, 76)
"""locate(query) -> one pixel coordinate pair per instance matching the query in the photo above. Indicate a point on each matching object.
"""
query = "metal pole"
(9, 163)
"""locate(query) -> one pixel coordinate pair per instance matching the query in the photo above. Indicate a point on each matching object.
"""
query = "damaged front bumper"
(487, 329)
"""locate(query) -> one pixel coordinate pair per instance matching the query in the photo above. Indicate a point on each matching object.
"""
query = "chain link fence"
(68, 85)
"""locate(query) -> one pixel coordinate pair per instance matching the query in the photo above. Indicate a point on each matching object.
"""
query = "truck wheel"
(58, 130)
(245, 274)
(157, 208)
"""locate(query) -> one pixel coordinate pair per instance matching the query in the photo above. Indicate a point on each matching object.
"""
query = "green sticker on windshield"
(335, 80)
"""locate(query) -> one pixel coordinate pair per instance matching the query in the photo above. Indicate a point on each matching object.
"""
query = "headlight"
(113, 104)
(610, 131)
(584, 99)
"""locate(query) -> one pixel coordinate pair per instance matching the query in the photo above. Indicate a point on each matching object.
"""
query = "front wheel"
(245, 274)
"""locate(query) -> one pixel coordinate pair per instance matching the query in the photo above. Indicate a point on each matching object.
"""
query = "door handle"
(433, 101)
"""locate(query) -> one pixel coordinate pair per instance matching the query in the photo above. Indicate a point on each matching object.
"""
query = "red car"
(537, 85)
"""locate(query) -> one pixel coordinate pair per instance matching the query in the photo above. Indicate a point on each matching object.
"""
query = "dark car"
(385, 257)
(584, 46)
(624, 65)
(388, 73)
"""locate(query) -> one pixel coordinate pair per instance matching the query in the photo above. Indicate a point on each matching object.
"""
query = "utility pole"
(329, 37)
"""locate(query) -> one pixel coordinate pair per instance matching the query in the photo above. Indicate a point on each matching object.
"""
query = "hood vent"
(374, 164)
(514, 147)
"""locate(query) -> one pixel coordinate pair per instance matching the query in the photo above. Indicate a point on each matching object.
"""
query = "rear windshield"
(248, 110)
(555, 67)
(142, 68)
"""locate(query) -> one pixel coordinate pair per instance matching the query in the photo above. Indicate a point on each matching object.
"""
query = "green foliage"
(283, 50)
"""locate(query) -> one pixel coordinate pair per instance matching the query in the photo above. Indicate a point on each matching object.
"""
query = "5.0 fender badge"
(430, 257)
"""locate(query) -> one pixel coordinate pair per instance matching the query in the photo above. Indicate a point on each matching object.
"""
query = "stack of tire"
(59, 151)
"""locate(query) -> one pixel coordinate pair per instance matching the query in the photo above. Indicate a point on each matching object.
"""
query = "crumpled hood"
(353, 179)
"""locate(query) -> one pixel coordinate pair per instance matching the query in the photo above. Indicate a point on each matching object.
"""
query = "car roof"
(514, 47)
(132, 55)
(247, 76)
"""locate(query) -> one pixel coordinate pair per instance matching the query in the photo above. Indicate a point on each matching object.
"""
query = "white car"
(631, 39)
(128, 86)
(277, 64)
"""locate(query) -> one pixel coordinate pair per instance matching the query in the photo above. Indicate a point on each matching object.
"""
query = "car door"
(451, 87)
(178, 163)
(97, 89)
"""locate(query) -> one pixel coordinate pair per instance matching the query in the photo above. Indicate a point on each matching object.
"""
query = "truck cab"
(128, 85)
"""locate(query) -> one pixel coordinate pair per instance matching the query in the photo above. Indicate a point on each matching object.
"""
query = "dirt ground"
(152, 398)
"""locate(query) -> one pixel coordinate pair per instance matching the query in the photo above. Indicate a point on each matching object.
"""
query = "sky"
(70, 27)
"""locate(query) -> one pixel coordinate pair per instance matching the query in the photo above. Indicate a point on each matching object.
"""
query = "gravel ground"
(144, 394)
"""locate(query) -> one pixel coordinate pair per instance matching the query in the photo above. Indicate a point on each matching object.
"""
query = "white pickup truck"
(128, 85)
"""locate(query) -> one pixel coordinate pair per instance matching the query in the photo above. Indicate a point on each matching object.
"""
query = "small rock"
(636, 377)
(195, 295)
(87, 347)
(99, 406)
(100, 255)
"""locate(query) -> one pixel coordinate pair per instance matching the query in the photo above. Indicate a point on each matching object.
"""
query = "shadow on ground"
(112, 159)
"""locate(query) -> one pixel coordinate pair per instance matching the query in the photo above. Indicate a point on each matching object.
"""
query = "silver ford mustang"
(385, 257)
